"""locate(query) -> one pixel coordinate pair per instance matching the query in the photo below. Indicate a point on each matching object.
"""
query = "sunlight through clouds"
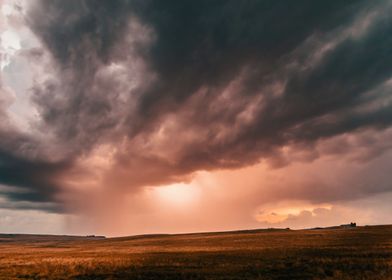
(186, 121)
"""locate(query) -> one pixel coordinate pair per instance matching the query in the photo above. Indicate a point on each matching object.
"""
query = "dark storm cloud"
(204, 44)
(194, 85)
(33, 181)
(66, 26)
(207, 43)
(15, 168)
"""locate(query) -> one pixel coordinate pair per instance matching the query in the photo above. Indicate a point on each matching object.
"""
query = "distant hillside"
(43, 237)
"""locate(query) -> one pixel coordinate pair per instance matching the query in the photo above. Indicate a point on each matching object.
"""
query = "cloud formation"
(135, 93)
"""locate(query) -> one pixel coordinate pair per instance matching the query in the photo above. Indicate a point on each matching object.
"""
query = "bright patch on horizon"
(177, 194)
(277, 215)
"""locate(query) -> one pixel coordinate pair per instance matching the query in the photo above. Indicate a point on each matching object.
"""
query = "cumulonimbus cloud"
(155, 90)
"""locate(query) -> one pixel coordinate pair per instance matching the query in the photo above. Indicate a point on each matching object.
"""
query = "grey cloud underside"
(243, 78)
(34, 181)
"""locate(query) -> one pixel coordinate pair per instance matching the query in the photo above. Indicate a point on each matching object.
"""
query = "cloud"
(132, 94)
(361, 211)
(30, 222)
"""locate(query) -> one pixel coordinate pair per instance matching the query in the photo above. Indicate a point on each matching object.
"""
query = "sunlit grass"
(360, 253)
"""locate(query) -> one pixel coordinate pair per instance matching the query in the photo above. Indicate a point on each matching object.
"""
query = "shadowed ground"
(356, 253)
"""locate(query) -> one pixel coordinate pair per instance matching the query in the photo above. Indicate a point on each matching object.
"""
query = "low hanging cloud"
(141, 93)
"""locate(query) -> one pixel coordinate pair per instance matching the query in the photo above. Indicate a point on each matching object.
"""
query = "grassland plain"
(357, 253)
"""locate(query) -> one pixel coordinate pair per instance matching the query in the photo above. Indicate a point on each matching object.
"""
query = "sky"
(146, 116)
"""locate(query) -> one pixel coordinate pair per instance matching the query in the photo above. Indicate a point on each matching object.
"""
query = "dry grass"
(360, 253)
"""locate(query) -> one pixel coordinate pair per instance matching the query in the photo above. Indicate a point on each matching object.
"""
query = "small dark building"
(350, 225)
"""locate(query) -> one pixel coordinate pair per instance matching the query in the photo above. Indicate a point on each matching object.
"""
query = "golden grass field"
(357, 253)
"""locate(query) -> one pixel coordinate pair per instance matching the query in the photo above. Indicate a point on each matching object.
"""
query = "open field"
(357, 253)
